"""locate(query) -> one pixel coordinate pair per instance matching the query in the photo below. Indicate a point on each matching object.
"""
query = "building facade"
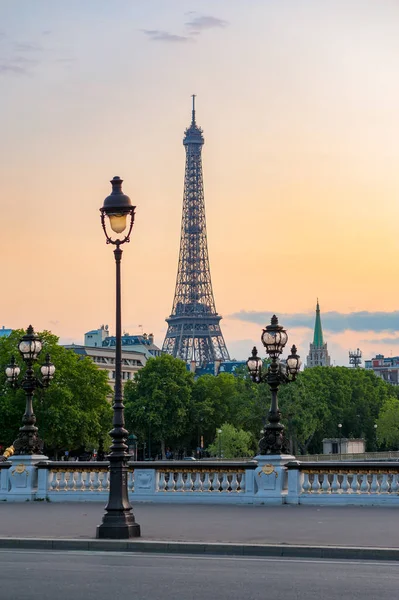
(318, 354)
(385, 367)
(143, 343)
(99, 345)
(104, 359)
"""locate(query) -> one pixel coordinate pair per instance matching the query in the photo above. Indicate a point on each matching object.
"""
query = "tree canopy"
(232, 443)
(159, 399)
(181, 411)
(72, 413)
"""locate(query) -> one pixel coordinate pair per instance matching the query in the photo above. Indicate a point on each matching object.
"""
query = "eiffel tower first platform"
(194, 332)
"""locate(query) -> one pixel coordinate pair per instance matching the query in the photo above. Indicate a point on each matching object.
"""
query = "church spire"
(318, 331)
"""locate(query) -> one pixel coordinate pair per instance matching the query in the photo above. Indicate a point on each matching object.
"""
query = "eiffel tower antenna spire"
(193, 111)
(194, 332)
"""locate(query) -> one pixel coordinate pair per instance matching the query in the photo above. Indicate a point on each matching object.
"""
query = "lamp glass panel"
(37, 347)
(254, 365)
(12, 372)
(283, 338)
(25, 347)
(118, 222)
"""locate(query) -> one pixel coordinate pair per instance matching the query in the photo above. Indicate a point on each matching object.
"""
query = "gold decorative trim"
(205, 471)
(21, 468)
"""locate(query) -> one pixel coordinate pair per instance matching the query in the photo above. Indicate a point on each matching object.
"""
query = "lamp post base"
(118, 526)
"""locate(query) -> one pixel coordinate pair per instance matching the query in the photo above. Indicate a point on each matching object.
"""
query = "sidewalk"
(201, 526)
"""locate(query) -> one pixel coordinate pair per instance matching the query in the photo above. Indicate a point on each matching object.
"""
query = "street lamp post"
(375, 437)
(118, 520)
(220, 442)
(274, 338)
(30, 346)
(340, 440)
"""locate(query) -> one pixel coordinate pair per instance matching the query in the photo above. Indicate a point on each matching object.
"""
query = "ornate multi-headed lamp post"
(118, 521)
(30, 346)
(274, 338)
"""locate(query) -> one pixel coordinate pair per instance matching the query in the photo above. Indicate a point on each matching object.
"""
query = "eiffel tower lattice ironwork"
(194, 332)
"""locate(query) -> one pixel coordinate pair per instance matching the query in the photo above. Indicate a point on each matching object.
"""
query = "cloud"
(6, 68)
(26, 47)
(195, 26)
(200, 23)
(334, 322)
(157, 35)
(387, 340)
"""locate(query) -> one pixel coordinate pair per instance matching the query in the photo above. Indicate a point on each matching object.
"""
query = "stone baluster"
(54, 481)
(365, 486)
(197, 483)
(216, 482)
(242, 483)
(162, 482)
(345, 484)
(71, 487)
(206, 486)
(326, 484)
(172, 482)
(375, 486)
(62, 483)
(306, 483)
(316, 484)
(104, 480)
(355, 486)
(179, 482)
(335, 484)
(96, 480)
(87, 486)
(384, 489)
(225, 483)
(234, 482)
(79, 480)
(188, 484)
(395, 483)
(130, 482)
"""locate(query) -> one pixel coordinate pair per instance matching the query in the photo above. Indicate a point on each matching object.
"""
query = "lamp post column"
(118, 520)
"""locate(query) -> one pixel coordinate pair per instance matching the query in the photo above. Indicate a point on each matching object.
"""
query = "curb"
(198, 548)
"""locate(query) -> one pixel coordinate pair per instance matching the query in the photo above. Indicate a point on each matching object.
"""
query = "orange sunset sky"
(299, 103)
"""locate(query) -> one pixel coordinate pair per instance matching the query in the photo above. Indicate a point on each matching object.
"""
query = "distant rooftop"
(5, 332)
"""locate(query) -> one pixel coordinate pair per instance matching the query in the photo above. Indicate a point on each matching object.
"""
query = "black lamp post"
(274, 338)
(340, 440)
(30, 346)
(118, 520)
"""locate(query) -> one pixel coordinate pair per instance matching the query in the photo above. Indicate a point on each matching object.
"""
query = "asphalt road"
(343, 526)
(37, 575)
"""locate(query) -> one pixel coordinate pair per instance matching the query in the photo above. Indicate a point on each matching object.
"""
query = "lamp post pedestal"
(270, 477)
(23, 477)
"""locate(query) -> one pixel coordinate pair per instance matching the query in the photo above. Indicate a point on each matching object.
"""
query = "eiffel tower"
(194, 332)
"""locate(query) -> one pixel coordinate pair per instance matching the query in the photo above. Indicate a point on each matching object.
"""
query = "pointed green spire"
(318, 332)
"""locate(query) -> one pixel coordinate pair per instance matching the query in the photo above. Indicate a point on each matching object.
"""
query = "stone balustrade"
(264, 480)
(339, 482)
(163, 481)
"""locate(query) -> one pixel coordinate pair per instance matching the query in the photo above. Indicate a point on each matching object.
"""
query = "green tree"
(388, 424)
(73, 412)
(232, 443)
(322, 397)
(212, 401)
(159, 398)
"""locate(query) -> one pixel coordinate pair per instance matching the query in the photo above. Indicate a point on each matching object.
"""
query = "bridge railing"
(351, 482)
(161, 481)
(265, 481)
